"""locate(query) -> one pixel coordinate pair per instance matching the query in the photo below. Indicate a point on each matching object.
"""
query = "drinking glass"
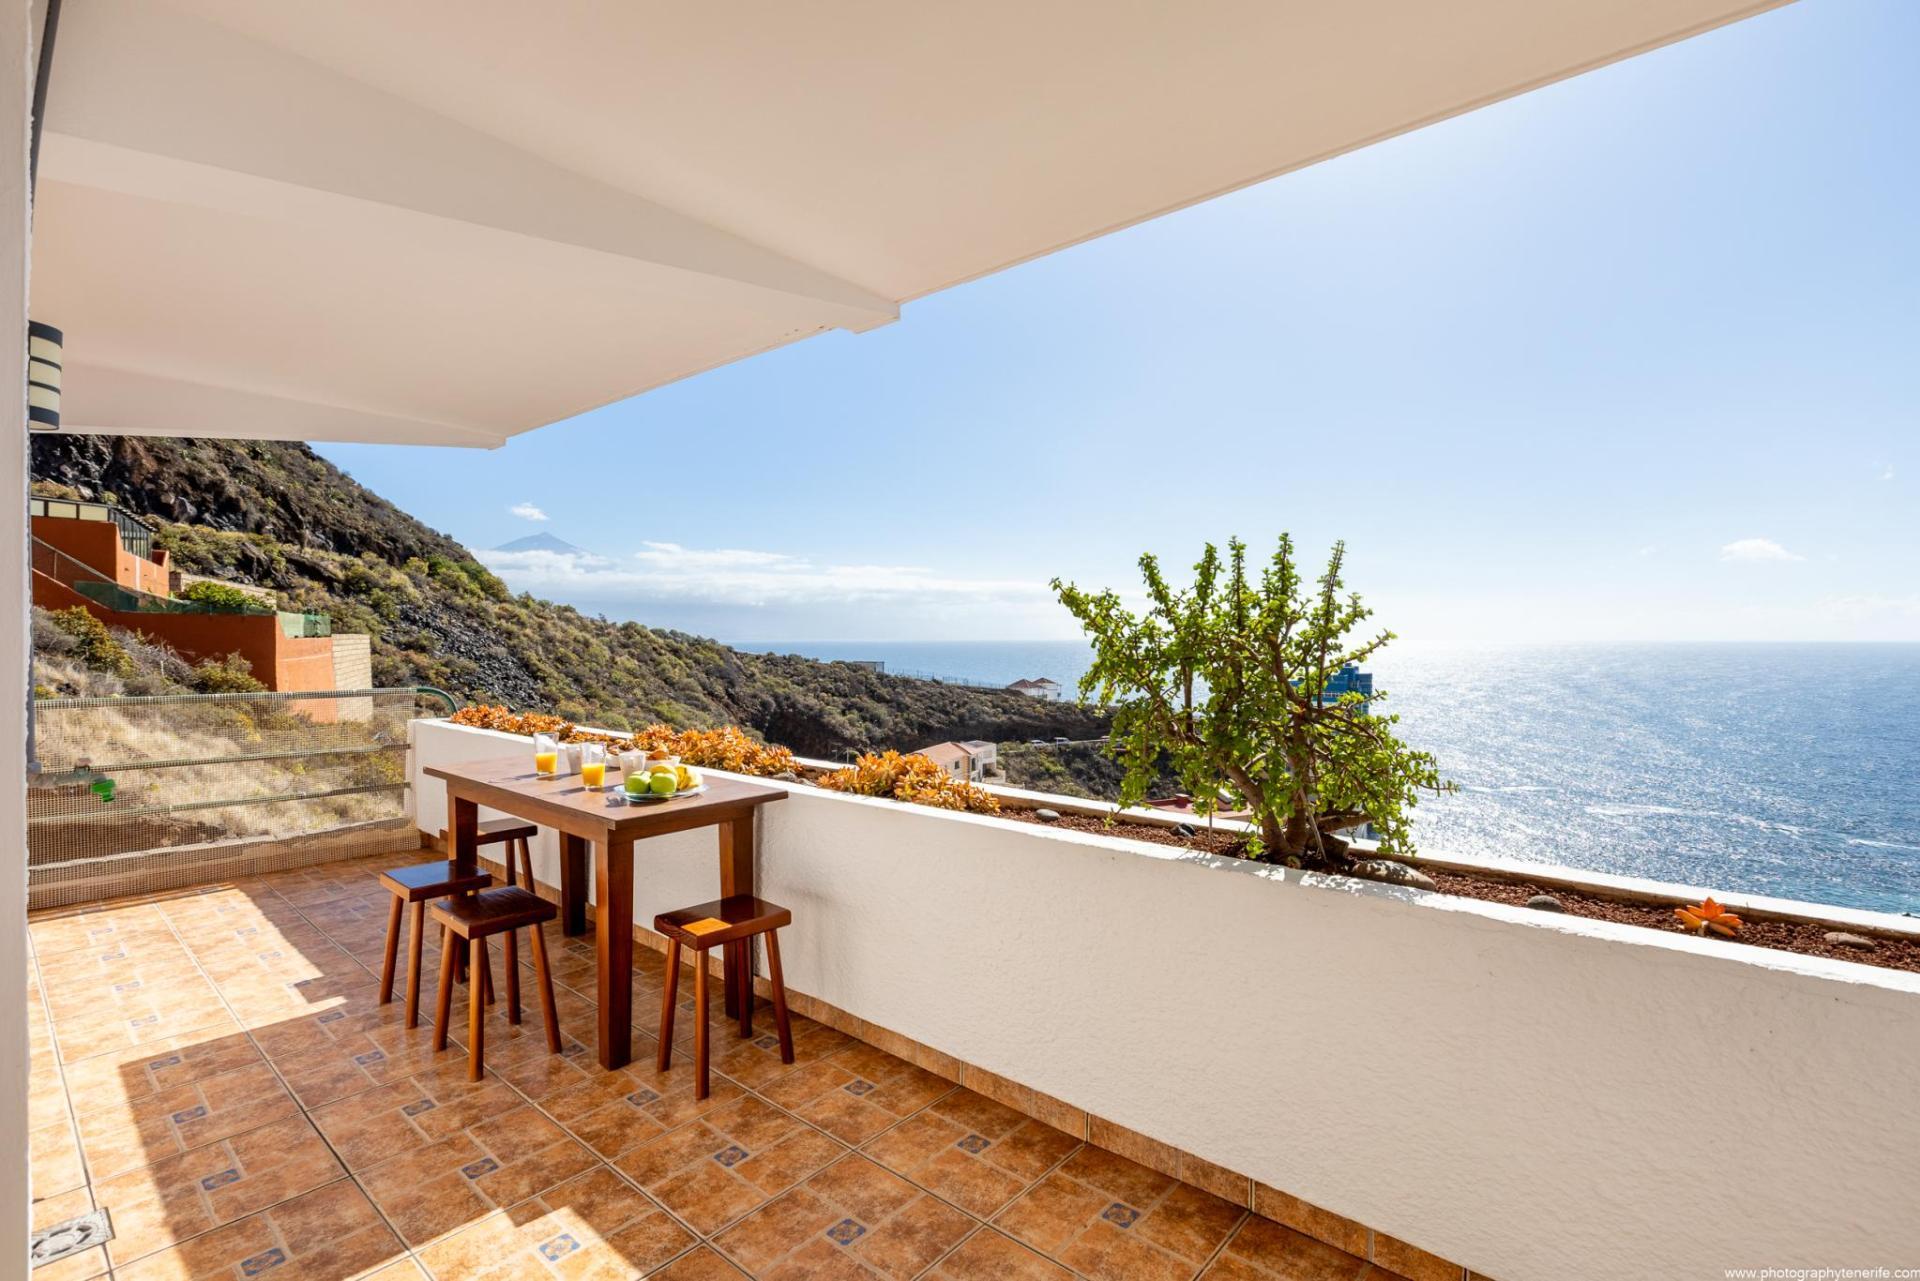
(546, 755)
(593, 766)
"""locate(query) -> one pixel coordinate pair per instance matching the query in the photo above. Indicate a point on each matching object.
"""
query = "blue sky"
(1633, 357)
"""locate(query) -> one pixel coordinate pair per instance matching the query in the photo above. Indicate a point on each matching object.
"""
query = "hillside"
(277, 515)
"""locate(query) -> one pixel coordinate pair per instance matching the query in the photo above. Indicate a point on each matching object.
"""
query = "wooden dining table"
(606, 824)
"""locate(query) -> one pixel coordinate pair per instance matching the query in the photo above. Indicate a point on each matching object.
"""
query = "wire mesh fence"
(125, 794)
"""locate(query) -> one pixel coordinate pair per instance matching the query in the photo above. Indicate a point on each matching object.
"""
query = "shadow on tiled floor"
(215, 1070)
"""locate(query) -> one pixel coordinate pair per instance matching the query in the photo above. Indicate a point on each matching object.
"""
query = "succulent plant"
(1709, 916)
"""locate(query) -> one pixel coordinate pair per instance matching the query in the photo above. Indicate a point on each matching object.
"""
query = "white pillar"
(15, 1190)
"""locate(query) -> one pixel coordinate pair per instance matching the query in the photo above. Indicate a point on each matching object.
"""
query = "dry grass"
(77, 746)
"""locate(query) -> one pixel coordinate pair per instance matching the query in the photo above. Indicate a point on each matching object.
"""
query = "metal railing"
(135, 534)
(117, 780)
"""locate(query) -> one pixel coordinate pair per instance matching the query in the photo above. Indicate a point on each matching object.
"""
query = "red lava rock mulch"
(1888, 952)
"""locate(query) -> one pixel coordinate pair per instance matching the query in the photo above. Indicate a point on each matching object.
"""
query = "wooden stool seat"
(477, 918)
(732, 923)
(493, 912)
(438, 879)
(412, 887)
(514, 833)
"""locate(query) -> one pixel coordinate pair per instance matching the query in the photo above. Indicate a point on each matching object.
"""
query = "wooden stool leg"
(743, 965)
(444, 1006)
(476, 1011)
(394, 913)
(700, 1024)
(506, 862)
(526, 865)
(668, 996)
(546, 989)
(779, 986)
(512, 964)
(414, 934)
(486, 980)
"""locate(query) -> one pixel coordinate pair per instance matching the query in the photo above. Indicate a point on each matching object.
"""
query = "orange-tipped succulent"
(1709, 916)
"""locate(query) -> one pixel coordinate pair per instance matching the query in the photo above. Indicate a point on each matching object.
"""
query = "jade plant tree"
(1231, 680)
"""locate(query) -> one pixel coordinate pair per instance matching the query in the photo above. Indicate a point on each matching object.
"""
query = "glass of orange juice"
(593, 766)
(546, 755)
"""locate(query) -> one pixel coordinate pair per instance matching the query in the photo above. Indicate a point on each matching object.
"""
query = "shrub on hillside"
(93, 643)
(222, 596)
(229, 675)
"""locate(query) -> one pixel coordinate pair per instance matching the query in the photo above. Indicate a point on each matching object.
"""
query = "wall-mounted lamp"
(44, 357)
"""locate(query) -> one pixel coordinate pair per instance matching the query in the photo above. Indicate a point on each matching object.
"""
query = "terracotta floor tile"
(104, 929)
(330, 1234)
(456, 1181)
(805, 1082)
(410, 1113)
(854, 1218)
(1189, 1223)
(1106, 1217)
(706, 1195)
(715, 1170)
(756, 1062)
(73, 993)
(142, 1021)
(54, 1156)
(614, 1113)
(128, 1076)
(1053, 1213)
(989, 1256)
(263, 1000)
(1120, 1178)
(165, 1203)
(945, 1158)
(1262, 1250)
(591, 1226)
(978, 1113)
(778, 1167)
(1109, 1253)
(124, 1136)
(698, 1265)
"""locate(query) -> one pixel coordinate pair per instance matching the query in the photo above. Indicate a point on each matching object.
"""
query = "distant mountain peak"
(541, 542)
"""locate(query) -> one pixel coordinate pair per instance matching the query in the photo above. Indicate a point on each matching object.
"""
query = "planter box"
(1537, 1096)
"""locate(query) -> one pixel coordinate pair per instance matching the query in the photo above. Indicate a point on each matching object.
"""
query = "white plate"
(649, 798)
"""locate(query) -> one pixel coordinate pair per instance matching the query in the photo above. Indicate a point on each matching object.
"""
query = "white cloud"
(527, 511)
(1888, 473)
(1648, 550)
(1757, 549)
(671, 573)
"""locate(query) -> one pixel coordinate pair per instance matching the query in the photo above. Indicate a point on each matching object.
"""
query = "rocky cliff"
(277, 515)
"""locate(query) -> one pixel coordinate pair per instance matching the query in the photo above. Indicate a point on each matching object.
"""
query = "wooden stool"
(732, 923)
(414, 886)
(510, 832)
(477, 918)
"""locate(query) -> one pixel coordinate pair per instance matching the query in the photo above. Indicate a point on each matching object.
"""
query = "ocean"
(1791, 770)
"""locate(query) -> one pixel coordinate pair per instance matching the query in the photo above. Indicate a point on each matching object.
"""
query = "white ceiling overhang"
(449, 221)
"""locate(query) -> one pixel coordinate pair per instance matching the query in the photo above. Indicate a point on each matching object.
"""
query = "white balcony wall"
(1537, 1096)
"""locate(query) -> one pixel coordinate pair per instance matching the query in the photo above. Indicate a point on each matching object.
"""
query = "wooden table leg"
(613, 937)
(573, 885)
(463, 847)
(736, 877)
(463, 830)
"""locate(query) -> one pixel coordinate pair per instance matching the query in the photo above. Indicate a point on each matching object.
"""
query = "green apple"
(664, 783)
(637, 783)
